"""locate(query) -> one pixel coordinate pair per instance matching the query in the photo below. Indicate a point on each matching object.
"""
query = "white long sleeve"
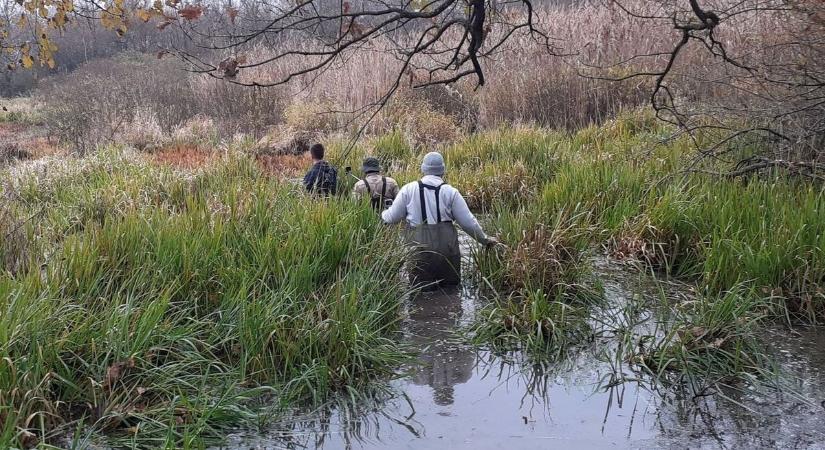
(398, 210)
(452, 206)
(465, 219)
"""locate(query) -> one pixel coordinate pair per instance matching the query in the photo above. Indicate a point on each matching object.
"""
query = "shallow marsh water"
(457, 396)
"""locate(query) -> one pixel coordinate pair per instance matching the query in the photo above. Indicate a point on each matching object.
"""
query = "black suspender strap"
(423, 203)
(438, 203)
(383, 189)
(367, 185)
(437, 190)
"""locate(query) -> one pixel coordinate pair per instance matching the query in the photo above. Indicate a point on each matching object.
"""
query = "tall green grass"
(708, 342)
(161, 309)
(623, 182)
(754, 247)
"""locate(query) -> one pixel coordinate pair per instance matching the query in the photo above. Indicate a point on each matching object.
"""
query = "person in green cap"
(380, 189)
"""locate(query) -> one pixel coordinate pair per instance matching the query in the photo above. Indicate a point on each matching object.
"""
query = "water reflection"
(456, 396)
(443, 362)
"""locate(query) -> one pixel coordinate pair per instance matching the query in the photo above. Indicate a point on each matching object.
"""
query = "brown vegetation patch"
(285, 141)
(41, 146)
(22, 142)
(12, 152)
(290, 165)
(10, 129)
(183, 156)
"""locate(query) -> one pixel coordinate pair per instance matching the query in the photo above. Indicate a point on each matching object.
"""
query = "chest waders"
(381, 202)
(436, 257)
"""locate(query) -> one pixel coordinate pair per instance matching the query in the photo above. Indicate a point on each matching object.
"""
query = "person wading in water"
(430, 206)
(380, 189)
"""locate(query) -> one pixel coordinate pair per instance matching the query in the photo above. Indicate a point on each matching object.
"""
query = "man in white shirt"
(430, 207)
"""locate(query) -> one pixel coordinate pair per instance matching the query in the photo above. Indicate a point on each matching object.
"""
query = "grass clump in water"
(707, 342)
(538, 299)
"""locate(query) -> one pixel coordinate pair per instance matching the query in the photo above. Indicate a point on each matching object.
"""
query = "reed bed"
(529, 83)
(161, 309)
(620, 188)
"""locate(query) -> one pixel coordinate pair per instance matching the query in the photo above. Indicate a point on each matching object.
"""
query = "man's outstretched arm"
(398, 211)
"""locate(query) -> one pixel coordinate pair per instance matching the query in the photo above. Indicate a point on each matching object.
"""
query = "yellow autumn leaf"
(23, 20)
(27, 61)
(59, 19)
(144, 14)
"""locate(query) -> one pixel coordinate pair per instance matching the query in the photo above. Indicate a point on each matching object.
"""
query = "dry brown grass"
(21, 141)
(184, 156)
(284, 165)
(527, 83)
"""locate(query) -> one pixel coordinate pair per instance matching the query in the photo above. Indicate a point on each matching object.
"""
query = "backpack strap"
(383, 189)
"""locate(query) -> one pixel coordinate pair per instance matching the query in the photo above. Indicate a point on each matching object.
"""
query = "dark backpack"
(381, 201)
(326, 181)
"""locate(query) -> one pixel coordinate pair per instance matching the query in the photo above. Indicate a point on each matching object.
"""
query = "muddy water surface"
(455, 396)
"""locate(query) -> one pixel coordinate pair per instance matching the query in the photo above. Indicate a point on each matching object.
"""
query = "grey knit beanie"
(433, 164)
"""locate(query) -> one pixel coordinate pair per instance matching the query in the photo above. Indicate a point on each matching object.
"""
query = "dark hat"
(371, 165)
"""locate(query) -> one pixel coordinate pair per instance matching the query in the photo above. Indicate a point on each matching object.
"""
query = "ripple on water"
(457, 396)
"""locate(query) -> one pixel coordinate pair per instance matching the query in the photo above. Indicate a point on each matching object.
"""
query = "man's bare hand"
(493, 242)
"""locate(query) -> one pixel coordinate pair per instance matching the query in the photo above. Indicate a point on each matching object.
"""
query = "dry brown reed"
(565, 84)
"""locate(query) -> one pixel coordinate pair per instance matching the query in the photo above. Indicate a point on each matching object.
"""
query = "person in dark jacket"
(322, 178)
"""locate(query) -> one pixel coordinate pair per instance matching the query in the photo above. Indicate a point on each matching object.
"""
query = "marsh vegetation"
(161, 305)
(165, 282)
